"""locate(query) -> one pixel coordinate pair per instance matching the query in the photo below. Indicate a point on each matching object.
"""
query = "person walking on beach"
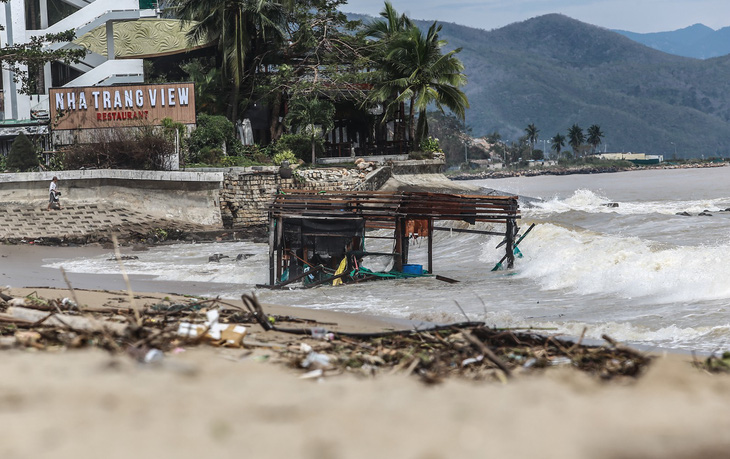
(53, 195)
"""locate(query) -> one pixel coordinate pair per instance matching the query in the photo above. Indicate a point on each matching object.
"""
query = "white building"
(82, 16)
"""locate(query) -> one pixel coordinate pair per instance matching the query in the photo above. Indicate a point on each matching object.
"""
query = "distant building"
(137, 32)
(636, 158)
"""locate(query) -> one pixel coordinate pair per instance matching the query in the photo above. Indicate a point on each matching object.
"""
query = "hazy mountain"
(554, 71)
(698, 41)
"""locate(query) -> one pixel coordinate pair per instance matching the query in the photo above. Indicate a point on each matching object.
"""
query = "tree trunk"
(421, 129)
(412, 125)
(313, 152)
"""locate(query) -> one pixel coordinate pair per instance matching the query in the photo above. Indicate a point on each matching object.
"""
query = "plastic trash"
(315, 360)
(321, 333)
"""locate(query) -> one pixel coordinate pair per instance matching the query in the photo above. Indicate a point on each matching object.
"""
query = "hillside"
(554, 71)
(698, 41)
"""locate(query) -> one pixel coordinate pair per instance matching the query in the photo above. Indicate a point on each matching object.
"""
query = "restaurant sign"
(121, 106)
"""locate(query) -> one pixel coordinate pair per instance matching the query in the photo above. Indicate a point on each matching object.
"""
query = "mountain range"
(554, 71)
(698, 41)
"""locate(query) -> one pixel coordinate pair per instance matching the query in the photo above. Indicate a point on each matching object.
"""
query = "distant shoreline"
(574, 170)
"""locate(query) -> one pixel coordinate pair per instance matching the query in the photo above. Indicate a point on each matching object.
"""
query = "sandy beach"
(207, 401)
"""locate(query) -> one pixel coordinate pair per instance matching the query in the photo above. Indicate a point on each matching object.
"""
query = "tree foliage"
(312, 117)
(22, 156)
(23, 59)
(411, 67)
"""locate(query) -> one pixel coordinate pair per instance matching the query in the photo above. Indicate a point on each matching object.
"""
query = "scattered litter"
(313, 374)
(220, 334)
(321, 333)
(316, 360)
(469, 361)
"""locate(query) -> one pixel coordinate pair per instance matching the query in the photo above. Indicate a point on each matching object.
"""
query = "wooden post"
(272, 228)
(430, 245)
(398, 265)
(279, 247)
(510, 236)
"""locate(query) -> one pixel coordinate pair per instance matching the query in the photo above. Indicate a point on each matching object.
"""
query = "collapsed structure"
(320, 237)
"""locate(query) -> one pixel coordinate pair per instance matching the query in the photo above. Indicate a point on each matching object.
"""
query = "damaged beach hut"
(322, 237)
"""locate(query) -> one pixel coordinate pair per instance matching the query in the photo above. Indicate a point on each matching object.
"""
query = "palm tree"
(239, 27)
(419, 72)
(575, 138)
(558, 143)
(311, 116)
(391, 25)
(532, 134)
(594, 136)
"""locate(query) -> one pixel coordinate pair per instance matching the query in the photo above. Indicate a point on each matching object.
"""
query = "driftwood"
(469, 350)
(76, 323)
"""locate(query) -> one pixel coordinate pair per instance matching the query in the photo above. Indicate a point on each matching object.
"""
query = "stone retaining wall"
(247, 192)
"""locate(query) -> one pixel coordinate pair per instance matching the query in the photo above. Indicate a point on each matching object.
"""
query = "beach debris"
(442, 351)
(230, 335)
(714, 363)
(611, 204)
(468, 350)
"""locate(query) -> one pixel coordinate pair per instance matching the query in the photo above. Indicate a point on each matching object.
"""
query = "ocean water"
(634, 270)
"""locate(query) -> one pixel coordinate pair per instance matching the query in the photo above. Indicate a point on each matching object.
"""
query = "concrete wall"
(187, 196)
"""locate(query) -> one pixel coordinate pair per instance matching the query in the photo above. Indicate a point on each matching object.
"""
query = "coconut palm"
(532, 134)
(558, 143)
(391, 25)
(594, 136)
(418, 72)
(575, 137)
(311, 116)
(239, 27)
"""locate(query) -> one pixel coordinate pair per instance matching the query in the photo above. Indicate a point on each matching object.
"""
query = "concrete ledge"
(185, 196)
(122, 174)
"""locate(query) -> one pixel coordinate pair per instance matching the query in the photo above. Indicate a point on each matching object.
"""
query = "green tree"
(25, 59)
(594, 136)
(22, 156)
(243, 30)
(532, 134)
(575, 138)
(411, 67)
(390, 26)
(427, 76)
(311, 116)
(558, 142)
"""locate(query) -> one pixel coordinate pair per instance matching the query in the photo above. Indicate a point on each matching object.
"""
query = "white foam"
(592, 202)
(628, 267)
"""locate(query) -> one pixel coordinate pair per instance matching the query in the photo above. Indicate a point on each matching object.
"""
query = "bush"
(285, 155)
(22, 155)
(300, 145)
(212, 132)
(431, 145)
(121, 149)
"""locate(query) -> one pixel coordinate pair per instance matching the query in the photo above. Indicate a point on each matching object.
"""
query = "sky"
(642, 16)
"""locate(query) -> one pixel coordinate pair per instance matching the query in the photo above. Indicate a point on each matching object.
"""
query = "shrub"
(121, 149)
(431, 145)
(285, 155)
(300, 145)
(22, 155)
(213, 132)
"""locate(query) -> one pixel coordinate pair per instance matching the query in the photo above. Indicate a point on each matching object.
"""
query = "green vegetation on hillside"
(554, 72)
